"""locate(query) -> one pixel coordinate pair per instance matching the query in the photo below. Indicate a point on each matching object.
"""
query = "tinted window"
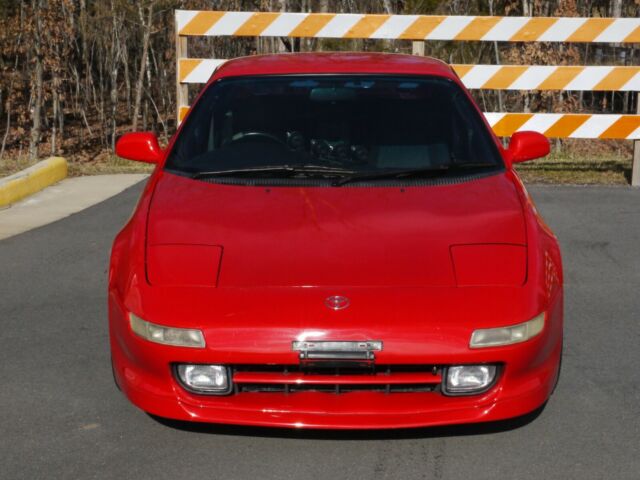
(364, 124)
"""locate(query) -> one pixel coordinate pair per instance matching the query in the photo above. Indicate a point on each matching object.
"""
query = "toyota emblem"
(337, 302)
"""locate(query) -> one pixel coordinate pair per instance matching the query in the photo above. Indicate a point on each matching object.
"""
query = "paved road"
(61, 416)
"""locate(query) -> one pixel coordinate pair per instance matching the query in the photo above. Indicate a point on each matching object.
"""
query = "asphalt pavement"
(62, 417)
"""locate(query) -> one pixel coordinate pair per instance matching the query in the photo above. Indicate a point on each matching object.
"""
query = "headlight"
(493, 337)
(468, 379)
(209, 379)
(179, 337)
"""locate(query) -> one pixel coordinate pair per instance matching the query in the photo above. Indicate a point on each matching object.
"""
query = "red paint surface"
(139, 147)
(526, 146)
(489, 264)
(301, 378)
(395, 253)
(183, 265)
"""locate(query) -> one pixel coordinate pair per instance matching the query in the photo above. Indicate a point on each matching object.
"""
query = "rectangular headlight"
(494, 337)
(179, 337)
(468, 379)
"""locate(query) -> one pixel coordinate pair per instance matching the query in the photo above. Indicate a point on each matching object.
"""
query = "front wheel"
(113, 372)
(555, 385)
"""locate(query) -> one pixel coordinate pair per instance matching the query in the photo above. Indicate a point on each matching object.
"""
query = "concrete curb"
(32, 180)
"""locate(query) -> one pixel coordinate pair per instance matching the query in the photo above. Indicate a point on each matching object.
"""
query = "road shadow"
(485, 428)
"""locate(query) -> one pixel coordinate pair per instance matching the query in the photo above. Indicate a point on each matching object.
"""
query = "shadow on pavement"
(317, 434)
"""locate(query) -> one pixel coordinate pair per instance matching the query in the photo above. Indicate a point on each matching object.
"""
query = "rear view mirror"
(140, 147)
(527, 146)
(332, 94)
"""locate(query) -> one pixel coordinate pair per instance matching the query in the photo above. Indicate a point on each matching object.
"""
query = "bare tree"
(73, 73)
(146, 22)
(36, 110)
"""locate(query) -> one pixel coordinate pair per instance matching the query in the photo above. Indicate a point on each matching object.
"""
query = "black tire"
(559, 369)
(113, 372)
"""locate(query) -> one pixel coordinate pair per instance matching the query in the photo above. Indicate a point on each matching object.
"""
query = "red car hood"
(342, 236)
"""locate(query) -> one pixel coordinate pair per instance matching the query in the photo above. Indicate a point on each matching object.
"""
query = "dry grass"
(107, 164)
(578, 170)
(597, 169)
(9, 166)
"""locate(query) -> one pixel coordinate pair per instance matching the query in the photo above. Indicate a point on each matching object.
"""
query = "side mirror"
(525, 146)
(140, 147)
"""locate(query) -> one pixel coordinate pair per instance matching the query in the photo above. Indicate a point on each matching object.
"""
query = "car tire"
(113, 372)
(555, 385)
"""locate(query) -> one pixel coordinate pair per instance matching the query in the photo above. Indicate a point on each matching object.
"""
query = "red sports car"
(335, 241)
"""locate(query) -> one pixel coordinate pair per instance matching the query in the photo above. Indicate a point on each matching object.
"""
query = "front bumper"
(528, 375)
(353, 410)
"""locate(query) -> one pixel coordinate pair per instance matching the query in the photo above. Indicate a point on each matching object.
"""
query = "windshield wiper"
(407, 173)
(290, 170)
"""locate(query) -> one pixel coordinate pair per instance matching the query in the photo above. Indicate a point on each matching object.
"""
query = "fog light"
(467, 379)
(210, 379)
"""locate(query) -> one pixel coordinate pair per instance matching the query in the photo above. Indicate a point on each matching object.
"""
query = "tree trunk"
(86, 66)
(7, 130)
(127, 76)
(54, 116)
(113, 73)
(36, 120)
(143, 61)
(10, 88)
(616, 8)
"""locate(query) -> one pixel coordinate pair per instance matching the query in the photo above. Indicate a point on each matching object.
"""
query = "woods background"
(75, 74)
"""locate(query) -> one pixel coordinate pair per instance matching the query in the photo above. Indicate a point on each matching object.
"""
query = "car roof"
(344, 63)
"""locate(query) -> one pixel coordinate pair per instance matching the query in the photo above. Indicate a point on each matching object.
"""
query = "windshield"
(334, 126)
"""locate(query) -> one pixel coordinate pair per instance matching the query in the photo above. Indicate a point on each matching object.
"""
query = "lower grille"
(337, 380)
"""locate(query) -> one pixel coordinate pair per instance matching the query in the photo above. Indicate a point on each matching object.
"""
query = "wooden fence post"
(635, 168)
(417, 48)
(182, 90)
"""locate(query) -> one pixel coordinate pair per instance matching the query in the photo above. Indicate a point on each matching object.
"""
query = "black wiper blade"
(406, 173)
(288, 169)
(391, 174)
(242, 171)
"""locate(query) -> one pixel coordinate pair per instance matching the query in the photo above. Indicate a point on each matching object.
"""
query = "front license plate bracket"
(337, 353)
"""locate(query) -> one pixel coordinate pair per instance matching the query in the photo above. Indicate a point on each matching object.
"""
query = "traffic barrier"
(567, 125)
(489, 77)
(527, 77)
(408, 27)
(457, 28)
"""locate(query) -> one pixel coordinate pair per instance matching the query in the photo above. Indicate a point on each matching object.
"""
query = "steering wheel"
(249, 136)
